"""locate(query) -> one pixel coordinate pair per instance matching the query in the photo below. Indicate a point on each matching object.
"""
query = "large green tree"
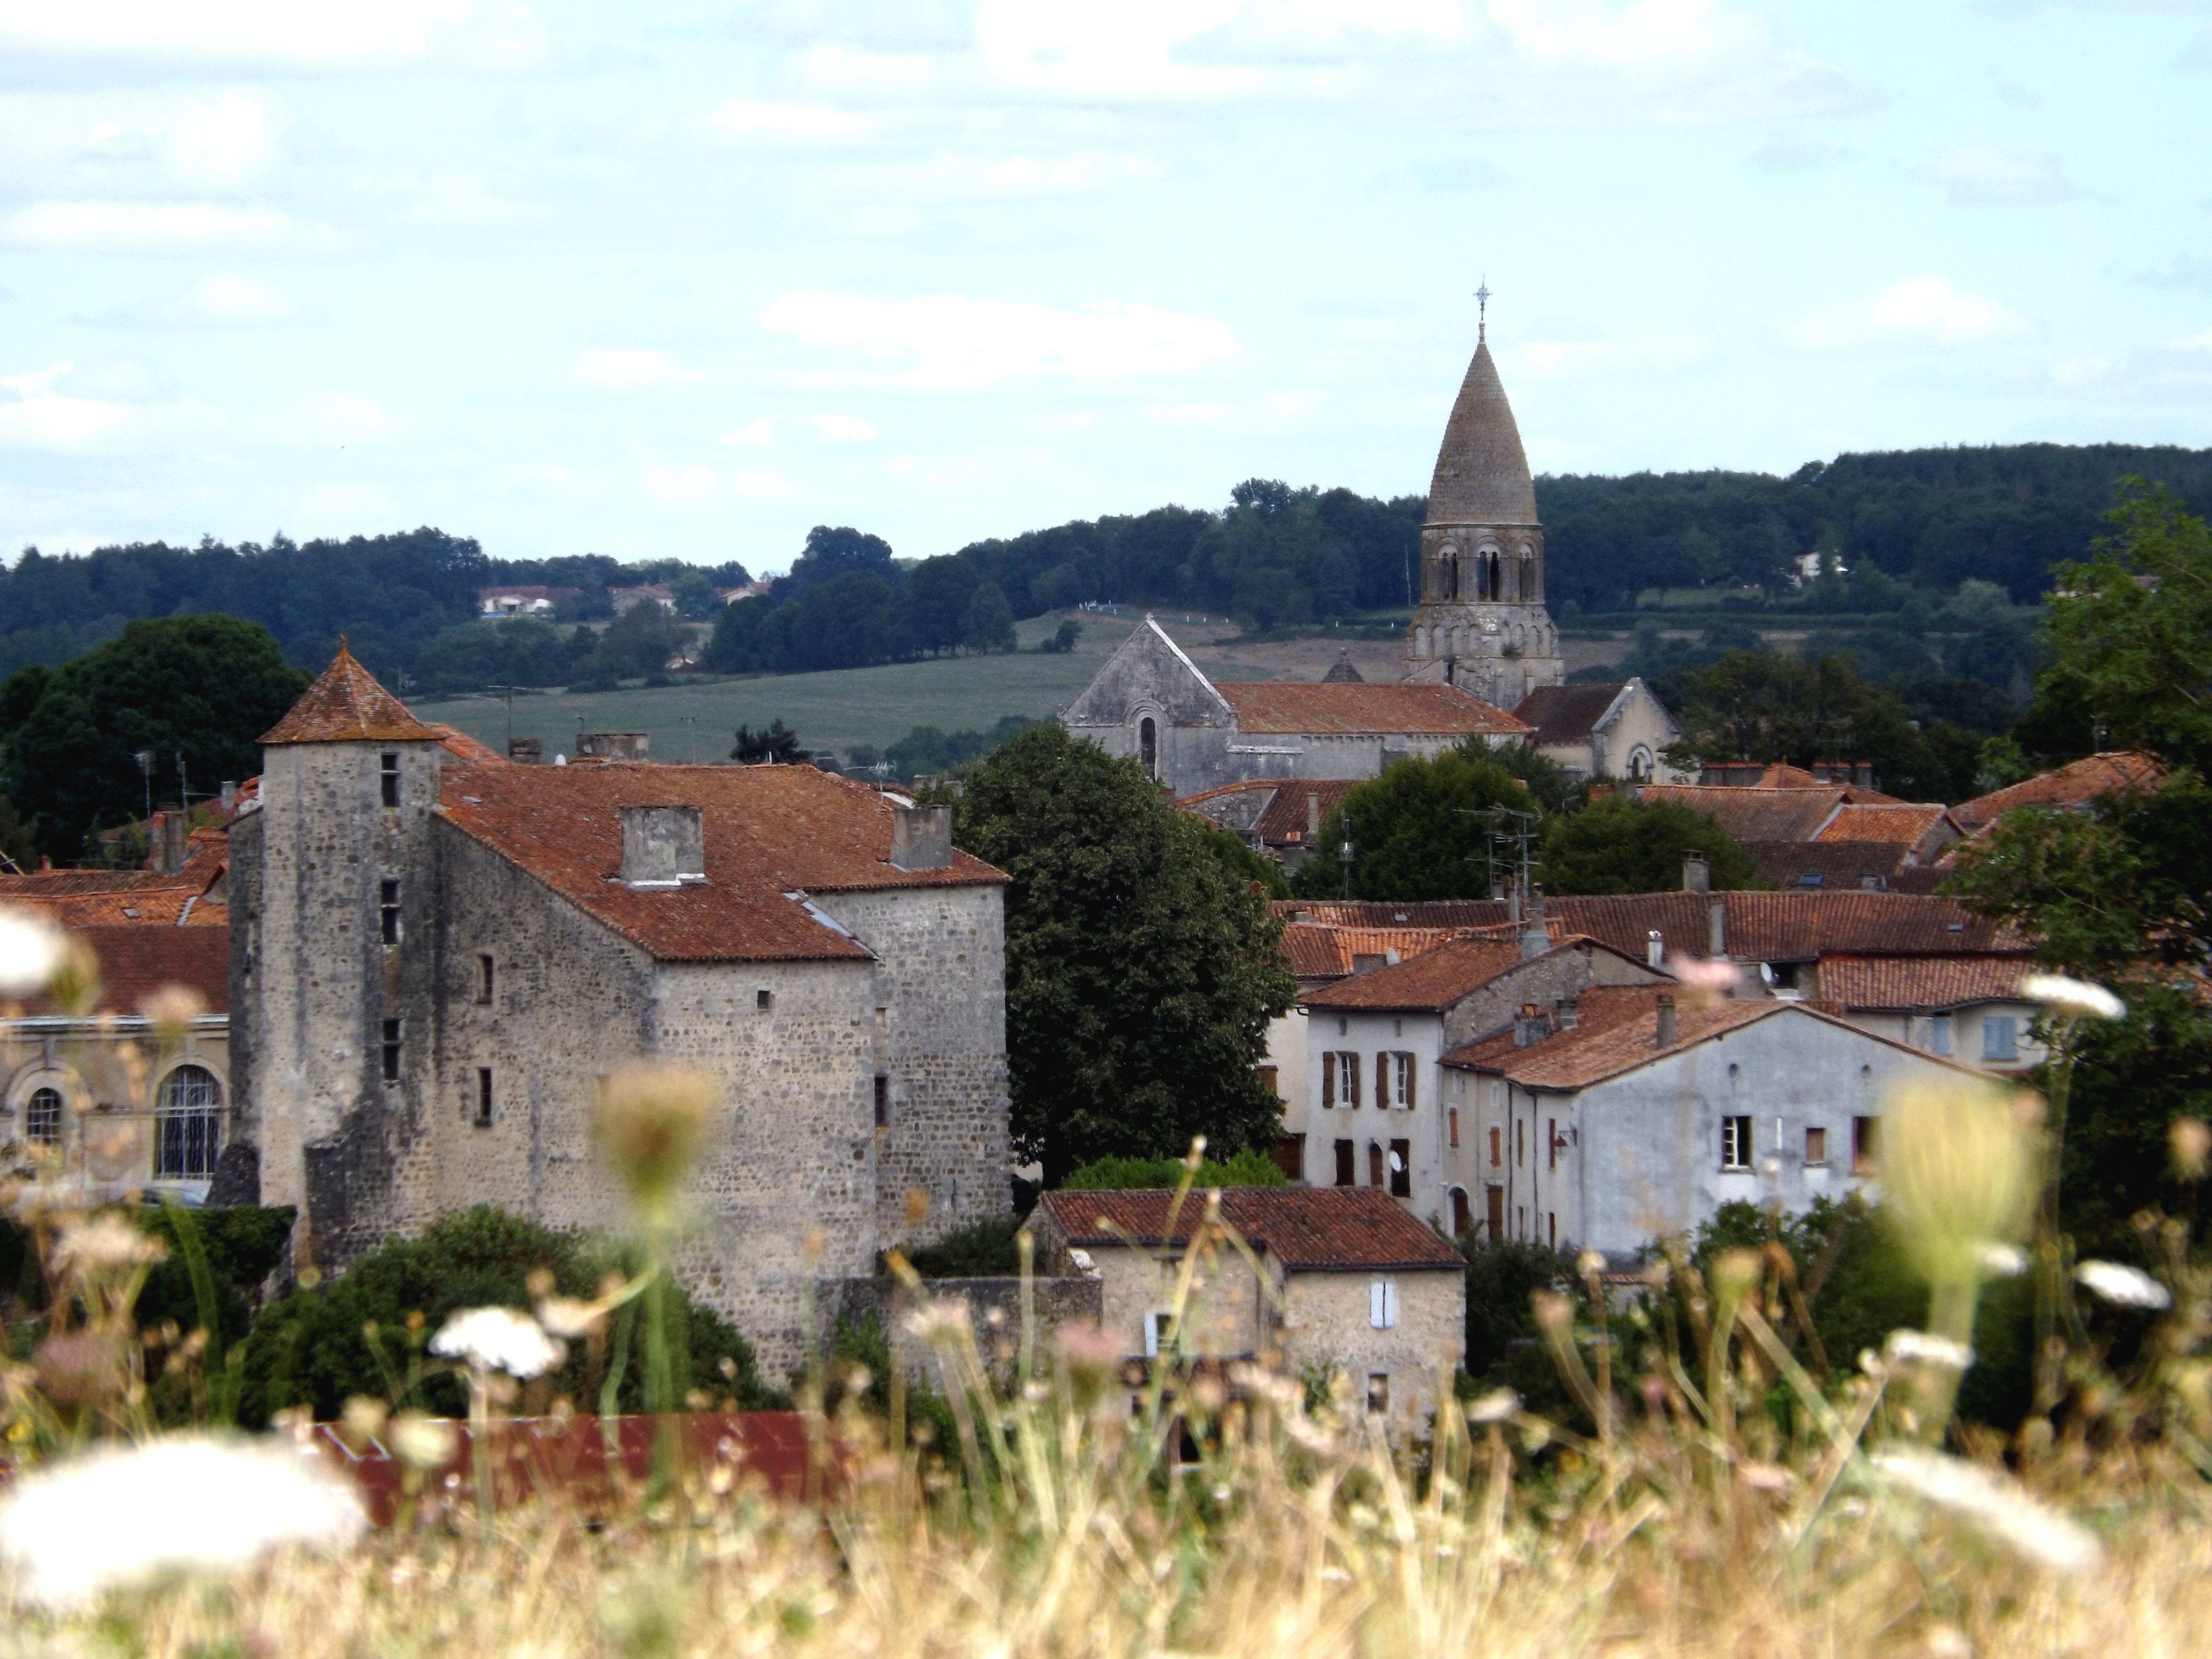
(205, 687)
(1140, 973)
(1421, 831)
(1619, 846)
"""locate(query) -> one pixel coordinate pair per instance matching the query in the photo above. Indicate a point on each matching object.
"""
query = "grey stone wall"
(994, 1309)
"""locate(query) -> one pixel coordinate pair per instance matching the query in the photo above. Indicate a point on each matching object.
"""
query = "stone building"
(439, 958)
(1482, 623)
(1596, 731)
(1347, 1283)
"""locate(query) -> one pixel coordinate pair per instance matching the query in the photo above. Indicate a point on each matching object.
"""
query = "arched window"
(1639, 763)
(1148, 746)
(187, 1125)
(42, 1117)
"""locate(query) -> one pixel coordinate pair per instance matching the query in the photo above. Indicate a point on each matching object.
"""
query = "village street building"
(1602, 731)
(440, 958)
(1648, 1113)
(1348, 1283)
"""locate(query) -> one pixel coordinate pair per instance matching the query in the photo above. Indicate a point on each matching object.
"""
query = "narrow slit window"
(393, 1038)
(387, 910)
(883, 1101)
(483, 1096)
(389, 779)
(485, 977)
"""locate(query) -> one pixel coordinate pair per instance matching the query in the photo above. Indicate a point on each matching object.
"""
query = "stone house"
(1276, 819)
(439, 956)
(1348, 1283)
(1644, 1116)
(1602, 731)
(1374, 1112)
(1151, 701)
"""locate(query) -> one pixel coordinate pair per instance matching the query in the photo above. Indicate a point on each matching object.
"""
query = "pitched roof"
(1620, 1032)
(1413, 707)
(1755, 814)
(1343, 669)
(770, 832)
(1787, 926)
(155, 907)
(1565, 713)
(1482, 472)
(1915, 984)
(1307, 1229)
(134, 961)
(347, 705)
(1286, 816)
(2076, 783)
(1435, 979)
(454, 741)
(1410, 913)
(1837, 864)
(1904, 825)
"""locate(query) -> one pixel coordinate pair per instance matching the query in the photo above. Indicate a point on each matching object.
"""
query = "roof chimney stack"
(1697, 874)
(1716, 928)
(1535, 937)
(1666, 1034)
(1655, 948)
(662, 847)
(1531, 1027)
(921, 837)
(1313, 815)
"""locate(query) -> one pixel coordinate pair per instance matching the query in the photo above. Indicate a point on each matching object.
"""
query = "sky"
(671, 279)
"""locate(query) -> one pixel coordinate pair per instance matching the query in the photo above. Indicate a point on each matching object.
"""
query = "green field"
(829, 711)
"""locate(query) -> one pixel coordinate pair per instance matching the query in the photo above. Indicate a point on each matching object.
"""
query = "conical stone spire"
(1482, 472)
(348, 705)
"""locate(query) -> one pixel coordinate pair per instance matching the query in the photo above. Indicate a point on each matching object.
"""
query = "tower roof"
(347, 705)
(1482, 473)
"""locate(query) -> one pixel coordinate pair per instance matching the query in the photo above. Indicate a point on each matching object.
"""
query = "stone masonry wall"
(1328, 1328)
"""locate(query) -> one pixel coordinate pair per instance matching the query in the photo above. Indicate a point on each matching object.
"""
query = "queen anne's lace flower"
(2074, 997)
(498, 1339)
(190, 1503)
(1998, 1505)
(2125, 1287)
(31, 952)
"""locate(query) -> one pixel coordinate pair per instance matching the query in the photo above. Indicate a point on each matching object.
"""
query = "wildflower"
(1496, 1406)
(1955, 1163)
(106, 1243)
(1999, 1506)
(421, 1442)
(2123, 1287)
(31, 952)
(2192, 1143)
(189, 1503)
(1925, 1348)
(2074, 998)
(2003, 1261)
(498, 1339)
(652, 1121)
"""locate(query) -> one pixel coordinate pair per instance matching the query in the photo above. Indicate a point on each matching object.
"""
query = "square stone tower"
(1482, 624)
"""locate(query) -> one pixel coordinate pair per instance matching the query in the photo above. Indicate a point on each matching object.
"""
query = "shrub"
(1501, 1321)
(241, 1245)
(1248, 1168)
(352, 1335)
(982, 1249)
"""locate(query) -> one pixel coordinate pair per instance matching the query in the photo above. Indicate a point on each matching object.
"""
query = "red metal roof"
(1307, 1229)
(347, 705)
(1342, 708)
(769, 831)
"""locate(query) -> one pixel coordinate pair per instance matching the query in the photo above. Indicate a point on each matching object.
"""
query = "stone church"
(1479, 644)
(438, 958)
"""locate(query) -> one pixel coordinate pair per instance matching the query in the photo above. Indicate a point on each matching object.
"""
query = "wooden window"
(1863, 1148)
(1551, 1143)
(1290, 1155)
(1328, 1082)
(1271, 1079)
(1350, 1077)
(1496, 1152)
(1735, 1143)
(1816, 1146)
(1453, 1119)
(1520, 1145)
(1493, 1197)
(1375, 1164)
(1347, 1173)
(1401, 1169)
(483, 1096)
(1462, 1216)
(1384, 1099)
(1552, 1228)
(2000, 1037)
(388, 778)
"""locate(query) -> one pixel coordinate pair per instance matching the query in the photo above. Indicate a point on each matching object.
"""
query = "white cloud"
(463, 198)
(160, 228)
(610, 370)
(1658, 354)
(323, 420)
(275, 35)
(1919, 311)
(948, 341)
(696, 485)
(756, 434)
(43, 411)
(1979, 176)
(225, 300)
(841, 428)
(799, 126)
(1277, 409)
(2195, 343)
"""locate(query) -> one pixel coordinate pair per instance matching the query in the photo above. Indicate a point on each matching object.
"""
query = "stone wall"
(1329, 1328)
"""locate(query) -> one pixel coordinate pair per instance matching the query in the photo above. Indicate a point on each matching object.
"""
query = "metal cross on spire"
(1482, 311)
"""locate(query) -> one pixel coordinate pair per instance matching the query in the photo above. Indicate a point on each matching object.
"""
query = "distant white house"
(495, 603)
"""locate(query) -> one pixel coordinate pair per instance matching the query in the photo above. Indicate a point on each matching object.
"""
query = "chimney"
(1313, 815)
(1862, 772)
(1666, 1033)
(229, 795)
(1697, 874)
(1716, 928)
(1535, 937)
(1530, 1027)
(167, 838)
(529, 751)
(921, 837)
(662, 847)
(614, 745)
(1571, 1014)
(1655, 948)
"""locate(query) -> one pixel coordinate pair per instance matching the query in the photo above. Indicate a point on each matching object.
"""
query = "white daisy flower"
(498, 1339)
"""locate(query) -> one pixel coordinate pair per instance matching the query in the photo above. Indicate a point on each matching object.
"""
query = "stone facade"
(1621, 731)
(426, 1012)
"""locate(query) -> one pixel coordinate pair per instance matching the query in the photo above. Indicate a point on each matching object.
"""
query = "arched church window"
(1148, 746)
(187, 1124)
(1639, 763)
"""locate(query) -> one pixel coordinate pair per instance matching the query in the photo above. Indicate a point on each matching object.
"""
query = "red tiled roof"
(134, 961)
(1750, 814)
(1840, 865)
(1286, 816)
(1787, 926)
(1307, 1229)
(1618, 1031)
(157, 906)
(1564, 714)
(1901, 984)
(454, 741)
(1328, 952)
(770, 830)
(1412, 913)
(1435, 979)
(1345, 709)
(347, 705)
(1906, 826)
(2076, 783)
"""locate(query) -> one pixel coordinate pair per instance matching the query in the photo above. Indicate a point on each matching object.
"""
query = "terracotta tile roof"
(1307, 1229)
(134, 961)
(1314, 953)
(1564, 714)
(2076, 783)
(454, 741)
(1907, 825)
(347, 705)
(1285, 820)
(1839, 865)
(1412, 913)
(1322, 710)
(769, 831)
(1435, 979)
(1619, 1032)
(1328, 952)
(1755, 814)
(77, 883)
(1797, 927)
(160, 907)
(1914, 984)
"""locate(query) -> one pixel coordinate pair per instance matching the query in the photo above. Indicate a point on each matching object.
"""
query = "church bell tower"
(1482, 624)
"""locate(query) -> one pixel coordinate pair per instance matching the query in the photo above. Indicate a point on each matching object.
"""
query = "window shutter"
(1390, 1303)
(1377, 1303)
(1352, 1078)
(1412, 1071)
(1382, 1082)
(1327, 1081)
